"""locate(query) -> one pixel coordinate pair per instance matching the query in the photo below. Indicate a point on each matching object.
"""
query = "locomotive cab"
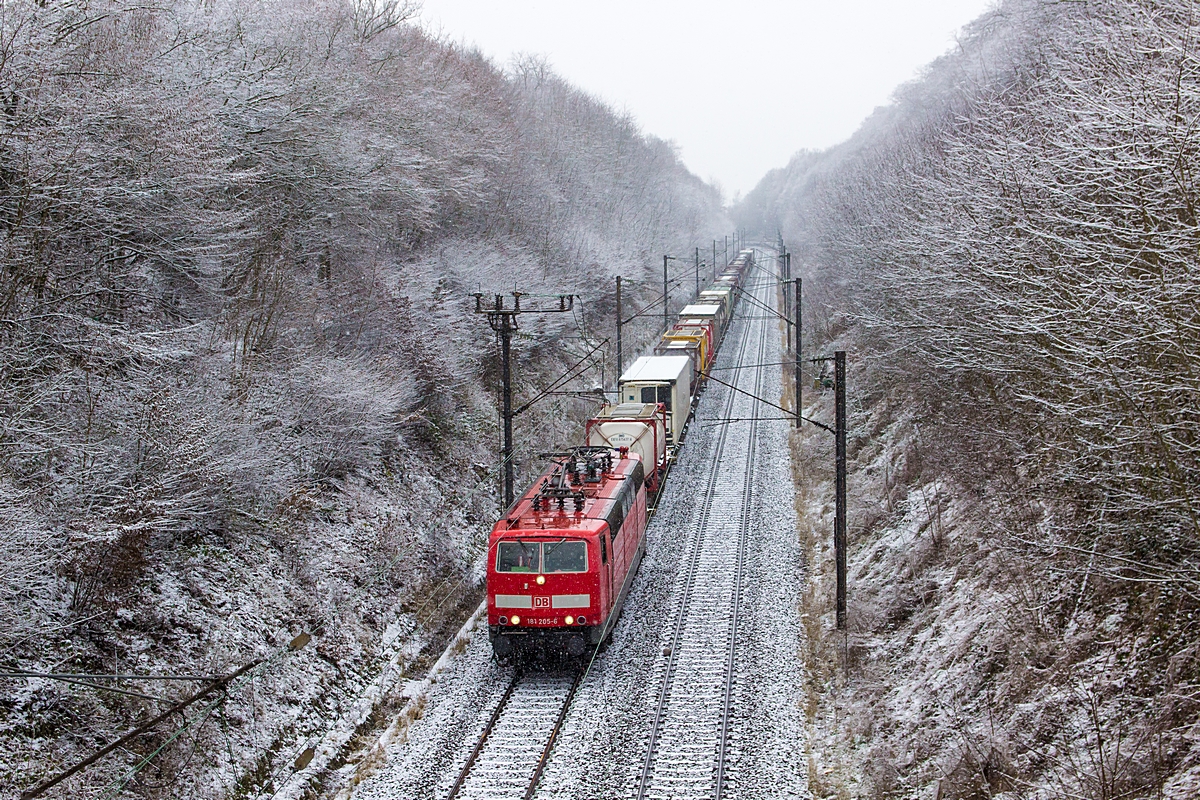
(560, 563)
(546, 590)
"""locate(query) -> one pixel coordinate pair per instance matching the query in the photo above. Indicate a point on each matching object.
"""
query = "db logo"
(541, 602)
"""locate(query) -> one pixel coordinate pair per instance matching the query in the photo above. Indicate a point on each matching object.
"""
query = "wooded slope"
(1011, 252)
(242, 391)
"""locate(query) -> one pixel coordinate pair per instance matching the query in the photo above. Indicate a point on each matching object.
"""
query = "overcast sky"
(738, 86)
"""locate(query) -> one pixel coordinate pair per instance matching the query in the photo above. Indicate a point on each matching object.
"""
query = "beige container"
(723, 295)
(692, 348)
(636, 426)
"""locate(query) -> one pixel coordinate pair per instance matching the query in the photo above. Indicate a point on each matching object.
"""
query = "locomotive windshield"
(518, 556)
(565, 555)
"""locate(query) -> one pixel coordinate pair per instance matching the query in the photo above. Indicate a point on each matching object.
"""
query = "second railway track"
(691, 728)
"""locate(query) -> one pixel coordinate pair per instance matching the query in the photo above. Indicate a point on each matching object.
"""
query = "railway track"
(693, 726)
(691, 729)
(511, 751)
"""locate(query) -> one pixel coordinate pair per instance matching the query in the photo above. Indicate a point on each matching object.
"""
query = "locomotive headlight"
(541, 579)
(515, 620)
(504, 620)
(569, 620)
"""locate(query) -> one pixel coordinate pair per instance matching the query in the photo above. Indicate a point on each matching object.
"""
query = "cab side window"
(615, 519)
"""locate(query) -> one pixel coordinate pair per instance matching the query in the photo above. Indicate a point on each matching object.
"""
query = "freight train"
(563, 556)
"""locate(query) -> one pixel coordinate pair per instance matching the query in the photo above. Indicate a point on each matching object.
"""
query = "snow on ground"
(602, 747)
(972, 666)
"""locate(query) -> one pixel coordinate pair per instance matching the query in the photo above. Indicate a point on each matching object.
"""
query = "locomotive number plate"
(541, 602)
(543, 621)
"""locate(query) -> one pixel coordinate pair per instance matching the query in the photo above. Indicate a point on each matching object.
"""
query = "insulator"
(579, 501)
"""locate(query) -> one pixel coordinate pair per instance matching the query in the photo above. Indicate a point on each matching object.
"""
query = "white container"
(714, 311)
(661, 379)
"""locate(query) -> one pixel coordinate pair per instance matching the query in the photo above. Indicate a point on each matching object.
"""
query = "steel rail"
(483, 737)
(496, 715)
(692, 562)
(739, 581)
(562, 716)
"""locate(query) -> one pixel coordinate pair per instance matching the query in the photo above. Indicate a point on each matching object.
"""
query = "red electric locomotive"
(561, 561)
